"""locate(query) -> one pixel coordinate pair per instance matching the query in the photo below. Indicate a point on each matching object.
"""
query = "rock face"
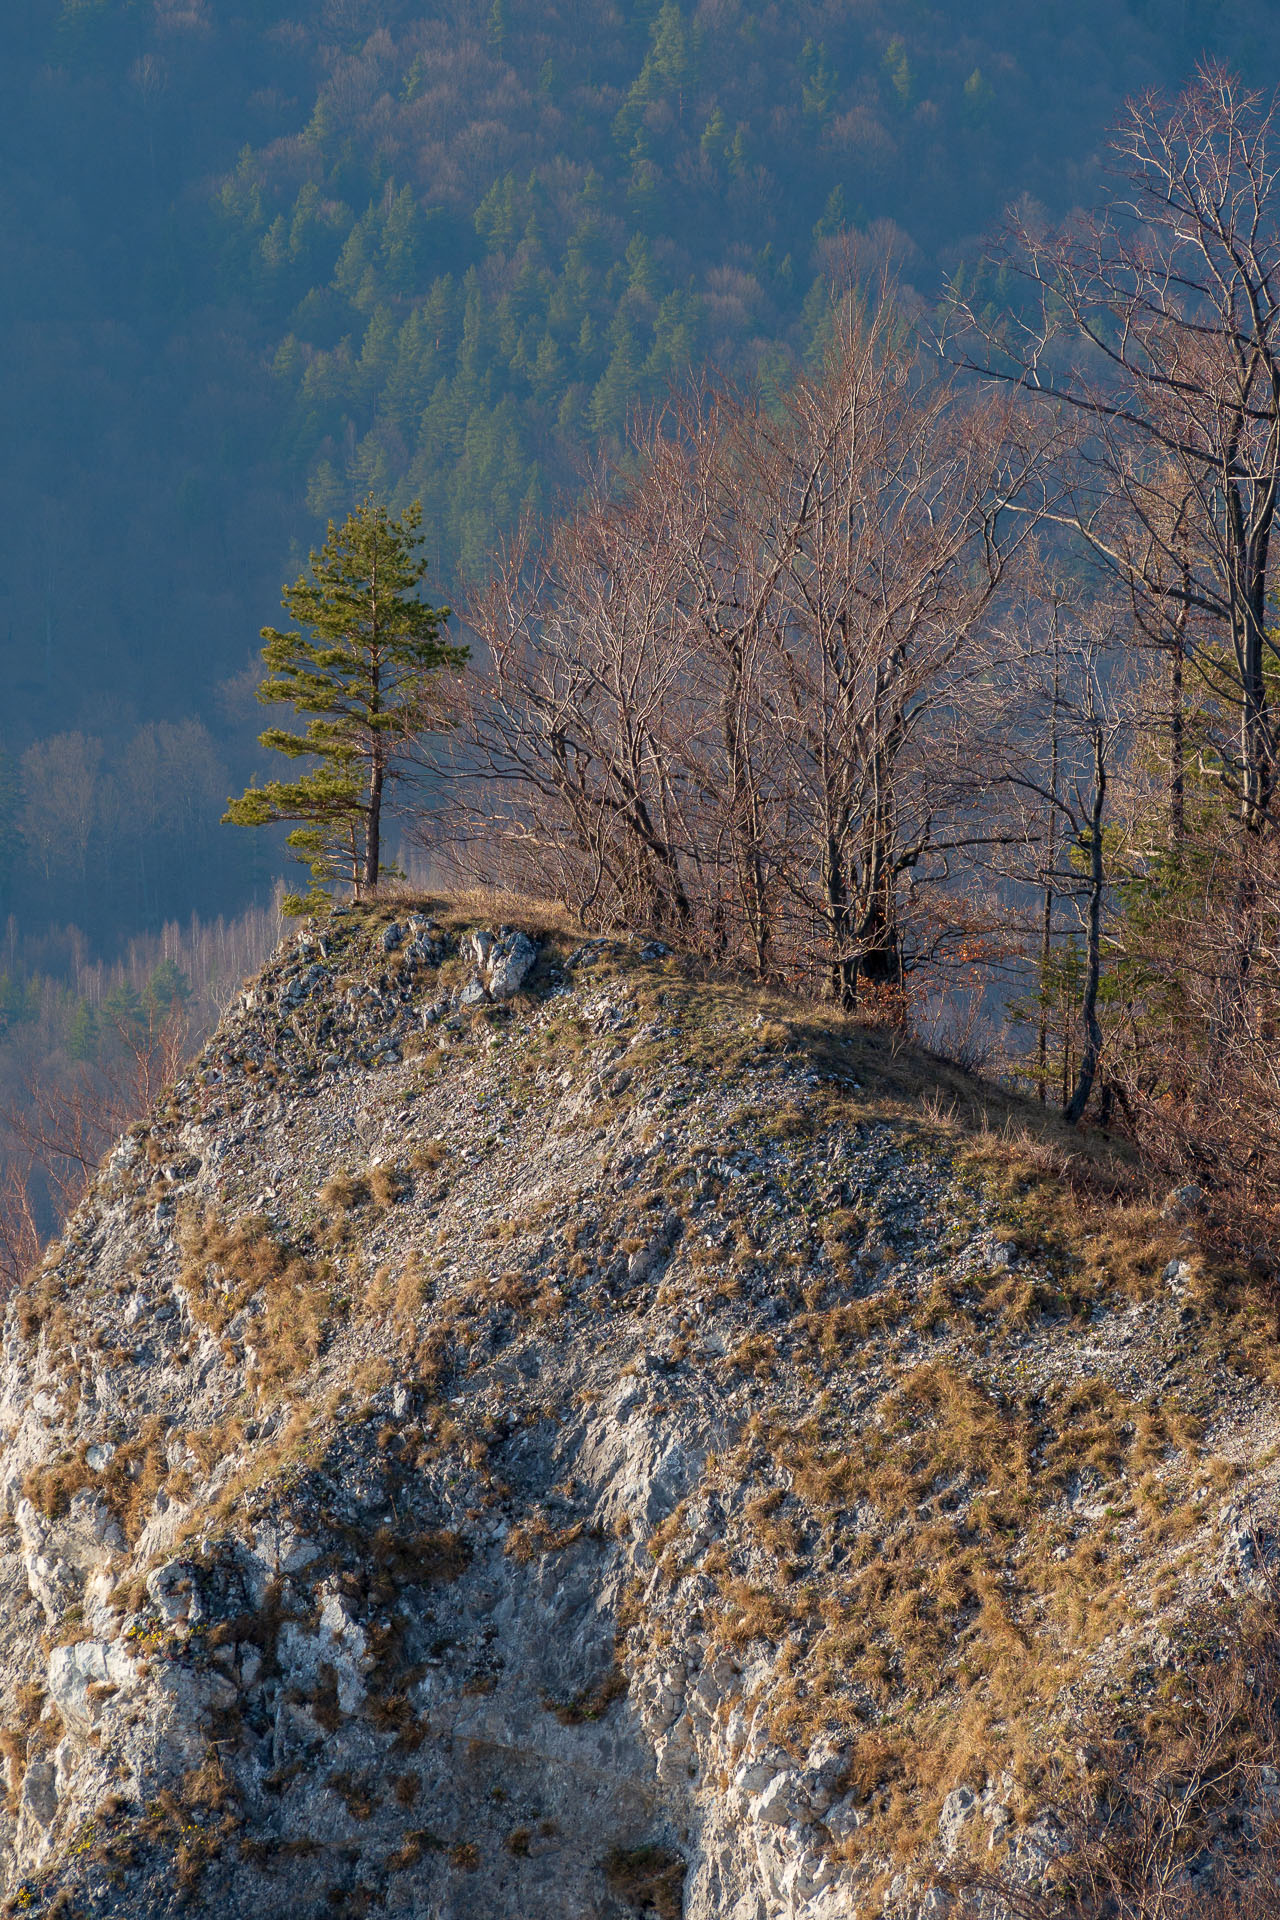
(523, 1434)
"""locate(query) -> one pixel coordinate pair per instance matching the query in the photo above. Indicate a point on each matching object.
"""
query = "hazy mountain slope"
(621, 1448)
(258, 256)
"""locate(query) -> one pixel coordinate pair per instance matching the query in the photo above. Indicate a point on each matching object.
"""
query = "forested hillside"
(258, 257)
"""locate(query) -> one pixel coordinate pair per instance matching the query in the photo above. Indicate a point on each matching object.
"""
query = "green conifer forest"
(260, 258)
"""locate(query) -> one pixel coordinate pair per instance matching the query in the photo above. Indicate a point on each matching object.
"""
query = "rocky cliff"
(529, 1431)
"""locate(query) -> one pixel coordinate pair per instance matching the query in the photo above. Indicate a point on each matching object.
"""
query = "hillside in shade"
(258, 258)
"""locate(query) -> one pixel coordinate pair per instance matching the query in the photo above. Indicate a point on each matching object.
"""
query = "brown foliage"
(1172, 1816)
(710, 696)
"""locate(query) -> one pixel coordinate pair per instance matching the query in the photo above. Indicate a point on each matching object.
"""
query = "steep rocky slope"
(527, 1431)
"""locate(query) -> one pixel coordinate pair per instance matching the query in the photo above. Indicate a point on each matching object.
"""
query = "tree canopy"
(359, 668)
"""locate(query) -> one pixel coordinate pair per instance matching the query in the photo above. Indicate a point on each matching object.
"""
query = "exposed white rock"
(283, 1549)
(432, 1520)
(81, 1675)
(956, 1811)
(512, 960)
(39, 1793)
(777, 1804)
(337, 1649)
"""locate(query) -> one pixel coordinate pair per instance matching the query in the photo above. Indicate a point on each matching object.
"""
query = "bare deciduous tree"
(585, 650)
(1158, 322)
(898, 492)
(1059, 706)
(57, 1130)
(713, 689)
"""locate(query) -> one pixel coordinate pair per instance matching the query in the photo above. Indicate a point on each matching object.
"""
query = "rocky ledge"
(529, 1431)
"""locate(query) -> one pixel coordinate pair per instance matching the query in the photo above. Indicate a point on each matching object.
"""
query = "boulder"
(512, 961)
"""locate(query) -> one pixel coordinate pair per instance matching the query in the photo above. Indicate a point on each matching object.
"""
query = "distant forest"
(260, 257)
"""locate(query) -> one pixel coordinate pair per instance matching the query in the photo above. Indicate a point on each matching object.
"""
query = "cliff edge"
(528, 1432)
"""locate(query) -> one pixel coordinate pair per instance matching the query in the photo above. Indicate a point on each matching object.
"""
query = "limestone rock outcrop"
(525, 1433)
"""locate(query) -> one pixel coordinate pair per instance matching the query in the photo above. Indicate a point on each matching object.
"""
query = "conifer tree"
(360, 667)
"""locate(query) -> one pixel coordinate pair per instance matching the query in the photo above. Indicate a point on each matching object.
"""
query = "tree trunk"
(744, 816)
(1046, 914)
(373, 829)
(1093, 948)
(1177, 722)
(1042, 1031)
(879, 958)
(879, 948)
(378, 757)
(842, 978)
(1254, 797)
(1249, 556)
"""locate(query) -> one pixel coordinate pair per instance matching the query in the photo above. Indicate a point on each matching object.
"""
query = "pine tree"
(82, 1033)
(362, 673)
(167, 989)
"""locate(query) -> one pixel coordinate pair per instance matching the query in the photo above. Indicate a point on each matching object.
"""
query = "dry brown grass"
(593, 1701)
(211, 1444)
(1156, 1785)
(343, 1193)
(227, 1267)
(413, 1288)
(356, 1791)
(127, 1484)
(917, 1572)
(16, 1739)
(370, 1375)
(386, 1185)
(534, 1538)
(419, 1559)
(757, 1354)
(474, 906)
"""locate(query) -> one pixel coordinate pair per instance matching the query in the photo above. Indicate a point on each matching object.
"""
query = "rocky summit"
(532, 1430)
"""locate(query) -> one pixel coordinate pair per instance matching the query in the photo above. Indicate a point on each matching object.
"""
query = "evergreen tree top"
(360, 666)
(371, 637)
